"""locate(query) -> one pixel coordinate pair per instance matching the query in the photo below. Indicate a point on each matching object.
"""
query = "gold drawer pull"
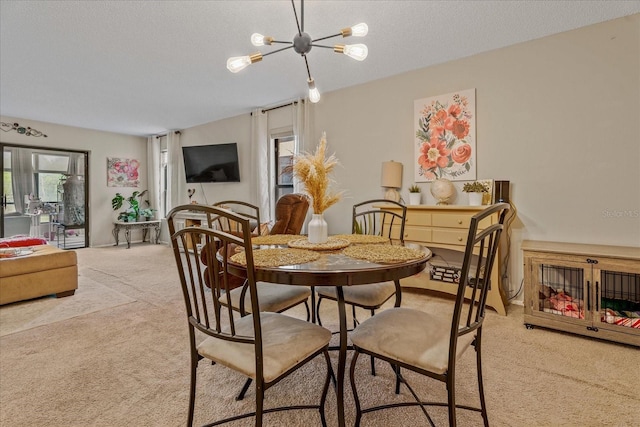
(459, 221)
(459, 239)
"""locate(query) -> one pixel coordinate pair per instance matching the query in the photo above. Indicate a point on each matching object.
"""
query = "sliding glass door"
(45, 194)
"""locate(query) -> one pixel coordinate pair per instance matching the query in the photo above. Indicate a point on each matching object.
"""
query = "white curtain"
(301, 132)
(260, 160)
(21, 176)
(153, 174)
(76, 164)
(175, 171)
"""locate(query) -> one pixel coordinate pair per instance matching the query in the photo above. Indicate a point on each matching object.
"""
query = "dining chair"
(274, 297)
(431, 345)
(370, 218)
(243, 208)
(265, 347)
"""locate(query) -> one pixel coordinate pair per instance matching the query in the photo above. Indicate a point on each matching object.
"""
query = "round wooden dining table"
(333, 268)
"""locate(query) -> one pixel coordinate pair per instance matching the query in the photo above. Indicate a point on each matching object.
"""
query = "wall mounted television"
(211, 163)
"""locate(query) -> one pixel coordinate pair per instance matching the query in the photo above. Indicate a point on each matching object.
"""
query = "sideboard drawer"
(453, 221)
(450, 237)
(418, 218)
(417, 234)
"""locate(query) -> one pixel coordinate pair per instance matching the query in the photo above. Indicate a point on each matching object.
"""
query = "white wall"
(235, 129)
(100, 146)
(558, 117)
(238, 130)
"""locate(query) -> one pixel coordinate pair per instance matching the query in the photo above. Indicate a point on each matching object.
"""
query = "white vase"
(318, 231)
(414, 198)
(475, 199)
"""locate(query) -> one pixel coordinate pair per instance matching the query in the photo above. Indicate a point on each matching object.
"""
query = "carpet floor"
(116, 354)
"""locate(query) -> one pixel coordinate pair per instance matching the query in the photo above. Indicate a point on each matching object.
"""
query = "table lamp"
(391, 179)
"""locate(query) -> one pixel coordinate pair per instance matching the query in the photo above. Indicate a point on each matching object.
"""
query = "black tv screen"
(211, 163)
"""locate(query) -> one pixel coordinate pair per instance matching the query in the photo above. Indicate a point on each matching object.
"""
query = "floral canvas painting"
(445, 137)
(122, 172)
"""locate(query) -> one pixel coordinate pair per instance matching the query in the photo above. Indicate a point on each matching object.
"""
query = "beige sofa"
(47, 271)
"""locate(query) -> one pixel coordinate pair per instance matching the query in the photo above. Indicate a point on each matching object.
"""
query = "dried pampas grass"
(313, 171)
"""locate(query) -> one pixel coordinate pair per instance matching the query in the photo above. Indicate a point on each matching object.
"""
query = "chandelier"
(302, 44)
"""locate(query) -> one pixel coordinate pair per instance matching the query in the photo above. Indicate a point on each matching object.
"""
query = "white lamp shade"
(391, 174)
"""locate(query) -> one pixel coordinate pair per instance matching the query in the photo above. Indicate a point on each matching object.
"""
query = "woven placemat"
(332, 244)
(274, 239)
(383, 253)
(362, 238)
(275, 257)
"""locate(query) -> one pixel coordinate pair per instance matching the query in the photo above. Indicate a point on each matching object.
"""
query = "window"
(49, 170)
(284, 148)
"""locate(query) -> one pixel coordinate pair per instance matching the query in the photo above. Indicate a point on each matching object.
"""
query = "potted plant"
(476, 191)
(414, 195)
(132, 213)
(147, 213)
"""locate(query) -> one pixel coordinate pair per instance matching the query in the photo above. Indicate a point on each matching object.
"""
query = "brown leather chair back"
(291, 211)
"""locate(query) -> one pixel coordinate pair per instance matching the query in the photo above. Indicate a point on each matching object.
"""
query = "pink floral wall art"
(122, 172)
(445, 137)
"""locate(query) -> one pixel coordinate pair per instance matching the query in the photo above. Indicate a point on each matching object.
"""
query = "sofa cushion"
(43, 258)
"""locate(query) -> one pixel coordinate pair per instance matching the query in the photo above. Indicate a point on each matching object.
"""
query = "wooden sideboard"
(447, 227)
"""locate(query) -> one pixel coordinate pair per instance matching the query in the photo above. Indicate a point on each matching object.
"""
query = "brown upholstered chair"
(291, 211)
(428, 344)
(265, 347)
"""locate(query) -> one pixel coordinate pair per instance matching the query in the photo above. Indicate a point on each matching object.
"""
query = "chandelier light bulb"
(359, 30)
(257, 39)
(239, 63)
(260, 40)
(356, 51)
(314, 93)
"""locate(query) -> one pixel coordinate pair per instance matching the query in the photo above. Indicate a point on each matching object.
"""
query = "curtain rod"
(164, 134)
(264, 110)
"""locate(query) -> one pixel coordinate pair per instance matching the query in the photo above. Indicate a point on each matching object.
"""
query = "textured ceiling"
(143, 67)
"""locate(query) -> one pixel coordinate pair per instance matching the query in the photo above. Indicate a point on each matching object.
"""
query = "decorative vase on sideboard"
(318, 231)
(475, 199)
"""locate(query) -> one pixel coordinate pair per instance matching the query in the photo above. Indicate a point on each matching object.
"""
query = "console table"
(144, 225)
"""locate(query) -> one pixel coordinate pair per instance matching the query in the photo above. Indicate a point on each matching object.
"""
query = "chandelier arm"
(279, 41)
(276, 51)
(327, 37)
(321, 45)
(307, 64)
(295, 13)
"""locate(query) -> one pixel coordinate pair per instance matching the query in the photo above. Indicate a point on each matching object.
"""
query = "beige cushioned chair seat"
(272, 297)
(285, 342)
(371, 295)
(410, 336)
